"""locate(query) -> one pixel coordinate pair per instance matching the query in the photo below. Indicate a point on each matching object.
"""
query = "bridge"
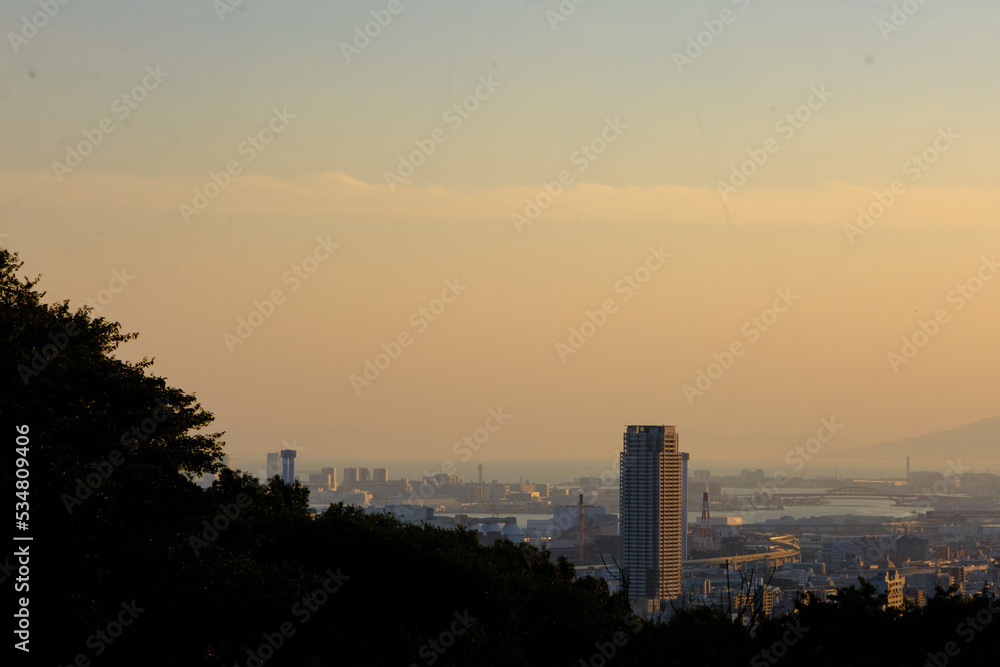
(790, 553)
(861, 493)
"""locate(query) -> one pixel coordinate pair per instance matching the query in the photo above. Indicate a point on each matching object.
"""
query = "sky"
(738, 217)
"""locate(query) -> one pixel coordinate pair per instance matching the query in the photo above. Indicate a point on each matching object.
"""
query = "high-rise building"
(380, 475)
(364, 475)
(350, 478)
(685, 457)
(272, 464)
(288, 466)
(650, 495)
(329, 476)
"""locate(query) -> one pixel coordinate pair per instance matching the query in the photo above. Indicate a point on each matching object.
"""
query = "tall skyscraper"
(685, 457)
(364, 475)
(329, 478)
(272, 464)
(380, 475)
(650, 497)
(288, 466)
(351, 478)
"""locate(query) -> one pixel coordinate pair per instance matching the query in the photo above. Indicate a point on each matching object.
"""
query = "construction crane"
(705, 531)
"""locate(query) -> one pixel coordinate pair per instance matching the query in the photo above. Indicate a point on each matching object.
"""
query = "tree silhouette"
(218, 571)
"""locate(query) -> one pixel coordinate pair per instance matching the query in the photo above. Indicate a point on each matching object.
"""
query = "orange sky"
(574, 148)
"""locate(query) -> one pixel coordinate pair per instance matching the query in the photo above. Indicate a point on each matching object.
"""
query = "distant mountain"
(755, 446)
(978, 441)
(976, 444)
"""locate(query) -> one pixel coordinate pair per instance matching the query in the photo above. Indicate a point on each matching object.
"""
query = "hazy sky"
(639, 116)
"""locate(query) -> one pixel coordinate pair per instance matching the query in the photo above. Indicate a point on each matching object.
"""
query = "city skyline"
(804, 453)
